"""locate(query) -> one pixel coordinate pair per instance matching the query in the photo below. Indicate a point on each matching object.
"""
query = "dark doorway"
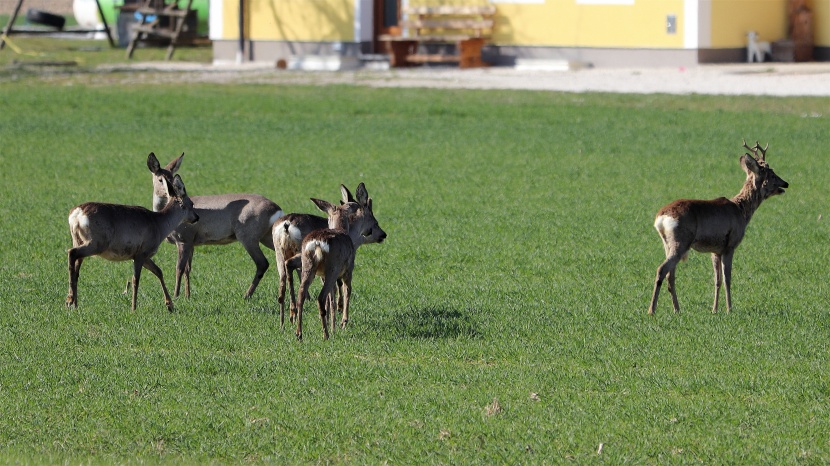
(386, 18)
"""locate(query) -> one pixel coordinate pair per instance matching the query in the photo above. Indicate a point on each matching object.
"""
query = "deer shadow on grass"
(435, 322)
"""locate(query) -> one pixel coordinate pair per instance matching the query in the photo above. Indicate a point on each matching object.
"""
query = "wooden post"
(8, 27)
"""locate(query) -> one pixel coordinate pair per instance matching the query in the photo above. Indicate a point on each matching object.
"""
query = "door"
(386, 18)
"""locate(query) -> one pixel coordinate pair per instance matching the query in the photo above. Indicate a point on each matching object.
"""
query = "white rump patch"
(665, 223)
(312, 245)
(79, 219)
(295, 233)
(275, 217)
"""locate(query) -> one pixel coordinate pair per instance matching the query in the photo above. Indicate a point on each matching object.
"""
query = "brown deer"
(120, 232)
(289, 231)
(330, 253)
(246, 218)
(715, 226)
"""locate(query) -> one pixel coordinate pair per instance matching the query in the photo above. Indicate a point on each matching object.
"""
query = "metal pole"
(241, 52)
(106, 26)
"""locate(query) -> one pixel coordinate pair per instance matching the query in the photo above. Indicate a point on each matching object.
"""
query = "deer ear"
(174, 166)
(325, 206)
(178, 186)
(345, 195)
(153, 163)
(749, 164)
(362, 194)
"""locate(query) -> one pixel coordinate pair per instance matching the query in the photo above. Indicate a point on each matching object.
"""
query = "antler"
(756, 149)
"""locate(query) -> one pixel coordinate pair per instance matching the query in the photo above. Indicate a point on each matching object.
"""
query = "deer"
(328, 253)
(224, 219)
(121, 232)
(714, 226)
(288, 233)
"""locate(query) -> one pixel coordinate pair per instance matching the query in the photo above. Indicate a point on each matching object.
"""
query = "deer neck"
(170, 216)
(749, 199)
(356, 237)
(160, 202)
(339, 222)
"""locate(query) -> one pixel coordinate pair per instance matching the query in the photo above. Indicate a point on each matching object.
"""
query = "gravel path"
(775, 79)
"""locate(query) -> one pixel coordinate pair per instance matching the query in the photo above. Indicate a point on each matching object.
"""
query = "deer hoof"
(344, 323)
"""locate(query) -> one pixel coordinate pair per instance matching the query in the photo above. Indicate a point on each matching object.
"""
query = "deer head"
(765, 181)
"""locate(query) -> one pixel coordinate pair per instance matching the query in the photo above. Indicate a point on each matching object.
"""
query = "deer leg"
(187, 268)
(295, 263)
(76, 257)
(718, 266)
(261, 265)
(155, 270)
(280, 261)
(727, 278)
(667, 266)
(673, 289)
(183, 259)
(138, 263)
(305, 282)
(74, 272)
(331, 306)
(346, 294)
(340, 295)
(323, 303)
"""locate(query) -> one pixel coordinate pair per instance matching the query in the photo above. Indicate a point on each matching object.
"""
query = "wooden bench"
(467, 28)
(162, 19)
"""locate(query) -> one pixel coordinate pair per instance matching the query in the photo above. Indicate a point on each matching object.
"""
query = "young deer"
(120, 232)
(715, 226)
(289, 231)
(246, 218)
(329, 253)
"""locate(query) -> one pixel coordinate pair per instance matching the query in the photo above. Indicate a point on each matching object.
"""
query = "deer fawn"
(330, 253)
(289, 231)
(715, 226)
(120, 232)
(246, 218)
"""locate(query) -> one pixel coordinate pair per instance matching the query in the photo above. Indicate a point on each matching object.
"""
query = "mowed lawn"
(503, 321)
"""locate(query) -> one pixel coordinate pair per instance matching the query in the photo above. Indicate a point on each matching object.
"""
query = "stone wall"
(61, 7)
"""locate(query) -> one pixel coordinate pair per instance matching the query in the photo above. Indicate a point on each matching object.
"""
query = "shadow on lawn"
(435, 322)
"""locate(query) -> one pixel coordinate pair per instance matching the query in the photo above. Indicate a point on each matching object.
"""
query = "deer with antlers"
(716, 226)
(288, 233)
(119, 232)
(330, 253)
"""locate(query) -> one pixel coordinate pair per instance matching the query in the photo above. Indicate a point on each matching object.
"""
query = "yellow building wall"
(558, 23)
(570, 24)
(291, 20)
(821, 21)
(732, 19)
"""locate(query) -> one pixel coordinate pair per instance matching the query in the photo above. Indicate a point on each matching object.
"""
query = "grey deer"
(226, 218)
(330, 253)
(716, 226)
(289, 231)
(119, 232)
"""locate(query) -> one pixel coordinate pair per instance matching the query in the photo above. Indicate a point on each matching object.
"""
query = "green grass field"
(503, 321)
